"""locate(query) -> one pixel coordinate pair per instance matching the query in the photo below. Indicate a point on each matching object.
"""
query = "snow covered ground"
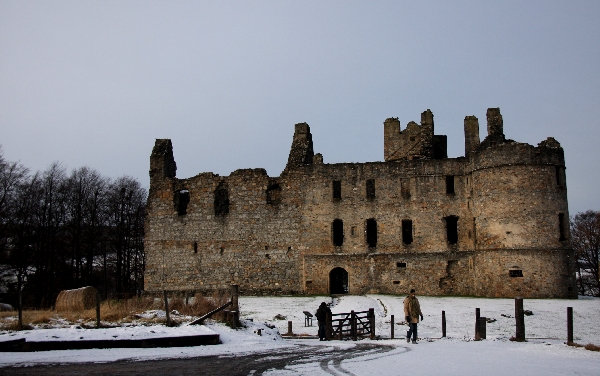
(544, 353)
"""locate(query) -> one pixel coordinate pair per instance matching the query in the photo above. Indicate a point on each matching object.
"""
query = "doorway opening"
(338, 281)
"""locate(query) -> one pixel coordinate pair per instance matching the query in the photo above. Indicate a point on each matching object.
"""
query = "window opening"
(371, 188)
(452, 229)
(181, 200)
(274, 194)
(561, 227)
(407, 231)
(353, 230)
(337, 229)
(396, 282)
(372, 232)
(195, 247)
(560, 177)
(221, 199)
(450, 184)
(401, 265)
(337, 190)
(515, 273)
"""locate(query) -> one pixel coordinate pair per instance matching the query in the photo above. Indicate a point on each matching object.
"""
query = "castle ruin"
(493, 223)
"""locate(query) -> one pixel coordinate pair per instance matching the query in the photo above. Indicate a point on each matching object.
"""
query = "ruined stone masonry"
(493, 223)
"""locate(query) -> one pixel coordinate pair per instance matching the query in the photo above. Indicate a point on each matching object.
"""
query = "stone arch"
(338, 281)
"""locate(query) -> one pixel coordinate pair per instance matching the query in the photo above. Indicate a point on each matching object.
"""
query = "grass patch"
(592, 347)
(118, 311)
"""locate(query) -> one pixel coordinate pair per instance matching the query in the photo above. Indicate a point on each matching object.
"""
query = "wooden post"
(234, 298)
(482, 328)
(372, 322)
(97, 310)
(569, 325)
(20, 309)
(290, 332)
(520, 320)
(353, 325)
(234, 305)
(167, 308)
(259, 331)
(392, 326)
(477, 315)
(443, 323)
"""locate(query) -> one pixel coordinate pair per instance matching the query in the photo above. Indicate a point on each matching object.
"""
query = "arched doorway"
(338, 281)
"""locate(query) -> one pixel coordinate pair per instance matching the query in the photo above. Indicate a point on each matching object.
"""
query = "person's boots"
(407, 337)
(414, 342)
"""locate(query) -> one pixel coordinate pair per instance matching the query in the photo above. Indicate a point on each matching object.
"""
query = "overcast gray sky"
(96, 82)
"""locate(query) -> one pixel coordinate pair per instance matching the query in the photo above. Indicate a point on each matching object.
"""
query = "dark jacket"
(322, 313)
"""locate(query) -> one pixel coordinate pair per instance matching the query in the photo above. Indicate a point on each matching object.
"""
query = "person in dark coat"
(322, 320)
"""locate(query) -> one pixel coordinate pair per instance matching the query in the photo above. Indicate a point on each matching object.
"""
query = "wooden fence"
(352, 325)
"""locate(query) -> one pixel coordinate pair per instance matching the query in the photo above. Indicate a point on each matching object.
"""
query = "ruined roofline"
(416, 142)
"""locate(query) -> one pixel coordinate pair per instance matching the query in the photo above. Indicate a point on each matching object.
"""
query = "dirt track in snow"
(329, 359)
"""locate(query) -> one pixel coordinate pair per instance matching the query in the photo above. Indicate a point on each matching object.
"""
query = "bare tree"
(51, 217)
(20, 248)
(84, 186)
(127, 210)
(12, 175)
(585, 233)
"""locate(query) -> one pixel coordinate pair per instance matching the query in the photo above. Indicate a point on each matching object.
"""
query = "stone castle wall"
(494, 223)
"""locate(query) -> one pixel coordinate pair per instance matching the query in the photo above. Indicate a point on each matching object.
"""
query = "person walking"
(322, 320)
(412, 311)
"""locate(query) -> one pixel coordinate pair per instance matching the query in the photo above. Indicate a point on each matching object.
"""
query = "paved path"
(299, 359)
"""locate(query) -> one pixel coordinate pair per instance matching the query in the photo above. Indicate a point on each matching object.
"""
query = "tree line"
(62, 230)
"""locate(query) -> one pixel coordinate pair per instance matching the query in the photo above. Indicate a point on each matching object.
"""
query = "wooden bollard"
(167, 308)
(392, 326)
(259, 331)
(569, 325)
(20, 309)
(234, 319)
(234, 298)
(290, 332)
(97, 310)
(520, 320)
(482, 322)
(353, 325)
(443, 323)
(477, 315)
(372, 322)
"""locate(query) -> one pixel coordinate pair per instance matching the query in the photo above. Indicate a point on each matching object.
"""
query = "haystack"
(76, 300)
(6, 307)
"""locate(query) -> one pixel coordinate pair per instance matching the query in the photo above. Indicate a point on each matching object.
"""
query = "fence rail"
(352, 325)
